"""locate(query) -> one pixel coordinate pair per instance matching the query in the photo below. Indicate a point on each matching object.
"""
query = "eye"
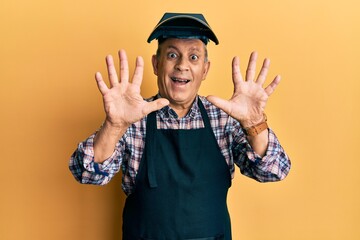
(194, 57)
(172, 55)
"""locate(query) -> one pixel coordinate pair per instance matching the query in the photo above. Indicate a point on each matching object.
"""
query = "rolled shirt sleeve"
(86, 171)
(274, 166)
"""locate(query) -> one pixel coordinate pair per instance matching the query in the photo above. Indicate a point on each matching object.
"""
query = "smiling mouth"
(179, 80)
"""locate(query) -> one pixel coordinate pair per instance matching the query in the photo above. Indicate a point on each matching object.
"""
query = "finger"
(271, 88)
(236, 73)
(101, 84)
(251, 69)
(263, 72)
(124, 66)
(155, 105)
(139, 71)
(220, 103)
(113, 78)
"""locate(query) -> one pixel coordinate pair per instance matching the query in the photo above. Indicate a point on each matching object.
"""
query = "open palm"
(249, 99)
(123, 103)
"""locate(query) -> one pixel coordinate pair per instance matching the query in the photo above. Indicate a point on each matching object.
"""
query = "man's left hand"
(248, 102)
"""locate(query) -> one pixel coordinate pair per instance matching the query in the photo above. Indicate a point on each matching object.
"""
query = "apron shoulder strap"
(150, 138)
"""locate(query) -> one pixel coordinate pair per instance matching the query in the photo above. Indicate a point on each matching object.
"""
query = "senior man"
(178, 150)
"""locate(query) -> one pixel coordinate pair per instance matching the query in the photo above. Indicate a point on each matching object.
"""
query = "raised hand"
(249, 99)
(123, 103)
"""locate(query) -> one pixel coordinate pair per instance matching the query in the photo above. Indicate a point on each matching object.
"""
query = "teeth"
(180, 80)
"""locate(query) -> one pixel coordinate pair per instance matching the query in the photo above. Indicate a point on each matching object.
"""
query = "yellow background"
(50, 50)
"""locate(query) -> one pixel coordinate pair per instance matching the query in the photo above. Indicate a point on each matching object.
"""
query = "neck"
(180, 110)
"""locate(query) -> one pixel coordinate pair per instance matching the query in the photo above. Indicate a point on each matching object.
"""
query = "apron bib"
(181, 187)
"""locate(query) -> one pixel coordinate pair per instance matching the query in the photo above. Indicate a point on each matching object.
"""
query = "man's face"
(180, 66)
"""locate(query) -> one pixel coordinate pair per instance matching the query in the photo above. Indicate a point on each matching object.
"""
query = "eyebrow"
(191, 49)
(171, 46)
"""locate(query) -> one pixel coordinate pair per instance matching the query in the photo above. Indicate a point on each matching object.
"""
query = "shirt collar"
(168, 112)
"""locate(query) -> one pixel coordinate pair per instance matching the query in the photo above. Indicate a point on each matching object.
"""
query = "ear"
(154, 61)
(206, 69)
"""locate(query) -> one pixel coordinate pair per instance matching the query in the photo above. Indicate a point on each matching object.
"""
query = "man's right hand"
(123, 104)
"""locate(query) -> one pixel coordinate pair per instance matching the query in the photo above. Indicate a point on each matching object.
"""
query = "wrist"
(248, 123)
(258, 127)
(114, 126)
(111, 129)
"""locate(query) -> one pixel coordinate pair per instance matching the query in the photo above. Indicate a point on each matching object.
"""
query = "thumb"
(155, 105)
(220, 103)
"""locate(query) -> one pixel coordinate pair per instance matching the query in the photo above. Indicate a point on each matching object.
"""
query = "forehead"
(183, 44)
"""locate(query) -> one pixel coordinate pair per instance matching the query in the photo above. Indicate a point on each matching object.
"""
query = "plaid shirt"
(274, 166)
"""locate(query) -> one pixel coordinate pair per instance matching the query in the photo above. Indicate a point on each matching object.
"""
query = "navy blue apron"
(181, 187)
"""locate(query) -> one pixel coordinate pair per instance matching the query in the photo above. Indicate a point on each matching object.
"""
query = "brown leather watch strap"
(255, 130)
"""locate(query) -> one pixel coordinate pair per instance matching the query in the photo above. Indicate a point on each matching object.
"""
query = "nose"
(182, 65)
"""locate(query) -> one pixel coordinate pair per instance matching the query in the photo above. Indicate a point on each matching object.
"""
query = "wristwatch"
(258, 128)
